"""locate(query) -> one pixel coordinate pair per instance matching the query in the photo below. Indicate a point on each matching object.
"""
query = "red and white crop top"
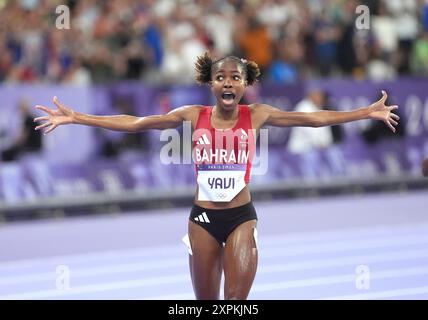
(223, 156)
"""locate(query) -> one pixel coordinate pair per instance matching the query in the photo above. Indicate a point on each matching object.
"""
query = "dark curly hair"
(204, 65)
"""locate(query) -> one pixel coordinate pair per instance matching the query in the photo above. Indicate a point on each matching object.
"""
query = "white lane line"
(373, 232)
(382, 294)
(144, 282)
(347, 233)
(177, 296)
(298, 249)
(384, 274)
(96, 271)
(92, 256)
(100, 287)
(316, 281)
(344, 245)
(397, 256)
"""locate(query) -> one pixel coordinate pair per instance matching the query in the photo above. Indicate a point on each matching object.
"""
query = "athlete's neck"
(222, 114)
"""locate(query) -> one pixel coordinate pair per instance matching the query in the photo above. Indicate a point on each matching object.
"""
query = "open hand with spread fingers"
(54, 118)
(380, 111)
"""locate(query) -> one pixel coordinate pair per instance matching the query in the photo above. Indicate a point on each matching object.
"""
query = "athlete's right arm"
(125, 123)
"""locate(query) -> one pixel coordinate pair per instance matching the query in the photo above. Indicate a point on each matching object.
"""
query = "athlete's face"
(228, 84)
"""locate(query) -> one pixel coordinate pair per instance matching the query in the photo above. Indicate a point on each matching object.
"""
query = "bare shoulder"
(189, 108)
(259, 114)
(256, 108)
(189, 113)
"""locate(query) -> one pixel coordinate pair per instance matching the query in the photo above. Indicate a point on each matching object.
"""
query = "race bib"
(220, 182)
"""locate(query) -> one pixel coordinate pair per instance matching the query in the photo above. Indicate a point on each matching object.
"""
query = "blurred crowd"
(157, 41)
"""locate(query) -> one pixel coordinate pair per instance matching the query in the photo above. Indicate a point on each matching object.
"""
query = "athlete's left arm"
(268, 115)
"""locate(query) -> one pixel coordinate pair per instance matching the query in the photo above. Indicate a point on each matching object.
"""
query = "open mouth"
(228, 96)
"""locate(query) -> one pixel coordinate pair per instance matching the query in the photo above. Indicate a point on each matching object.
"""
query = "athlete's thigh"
(240, 261)
(205, 263)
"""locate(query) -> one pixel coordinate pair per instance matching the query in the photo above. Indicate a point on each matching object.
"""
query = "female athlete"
(222, 224)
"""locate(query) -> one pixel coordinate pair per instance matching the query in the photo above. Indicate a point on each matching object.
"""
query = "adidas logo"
(202, 218)
(203, 140)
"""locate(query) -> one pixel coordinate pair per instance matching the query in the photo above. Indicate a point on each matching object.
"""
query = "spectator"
(154, 41)
(307, 142)
(255, 43)
(116, 143)
(327, 35)
(28, 139)
(303, 139)
(419, 57)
